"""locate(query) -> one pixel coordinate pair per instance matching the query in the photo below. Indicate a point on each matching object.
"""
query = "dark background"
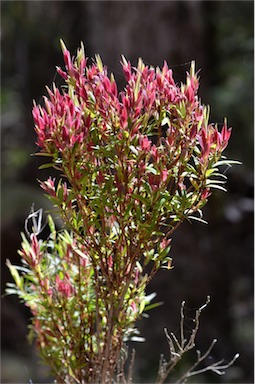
(214, 259)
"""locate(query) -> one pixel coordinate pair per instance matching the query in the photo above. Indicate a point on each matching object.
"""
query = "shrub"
(133, 166)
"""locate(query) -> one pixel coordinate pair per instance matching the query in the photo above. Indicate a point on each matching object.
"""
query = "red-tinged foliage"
(134, 164)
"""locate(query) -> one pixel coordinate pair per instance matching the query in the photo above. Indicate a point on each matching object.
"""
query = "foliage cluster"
(133, 166)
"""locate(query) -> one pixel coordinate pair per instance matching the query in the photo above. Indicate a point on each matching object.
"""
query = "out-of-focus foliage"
(232, 87)
(216, 259)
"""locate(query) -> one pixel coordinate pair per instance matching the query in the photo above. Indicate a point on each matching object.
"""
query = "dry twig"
(179, 347)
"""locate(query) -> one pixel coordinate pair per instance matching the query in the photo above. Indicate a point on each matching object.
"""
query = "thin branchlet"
(177, 349)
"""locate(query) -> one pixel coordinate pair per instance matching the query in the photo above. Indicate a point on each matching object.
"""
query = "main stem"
(107, 351)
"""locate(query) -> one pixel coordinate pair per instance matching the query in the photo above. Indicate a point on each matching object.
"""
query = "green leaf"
(194, 183)
(167, 263)
(99, 63)
(137, 85)
(165, 121)
(217, 174)
(23, 269)
(214, 182)
(60, 192)
(150, 297)
(126, 214)
(151, 169)
(181, 109)
(164, 252)
(137, 339)
(197, 219)
(142, 306)
(11, 291)
(149, 255)
(141, 198)
(44, 154)
(47, 165)
(154, 305)
(134, 150)
(15, 274)
(217, 187)
(209, 172)
(51, 224)
(226, 162)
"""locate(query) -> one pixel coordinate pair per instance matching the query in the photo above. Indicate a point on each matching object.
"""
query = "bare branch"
(215, 367)
(178, 348)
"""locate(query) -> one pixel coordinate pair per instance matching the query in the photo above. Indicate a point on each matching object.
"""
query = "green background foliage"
(216, 259)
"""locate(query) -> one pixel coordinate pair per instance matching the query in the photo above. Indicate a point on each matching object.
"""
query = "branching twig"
(216, 367)
(179, 347)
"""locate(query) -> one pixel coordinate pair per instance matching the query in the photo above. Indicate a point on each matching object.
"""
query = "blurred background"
(214, 259)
